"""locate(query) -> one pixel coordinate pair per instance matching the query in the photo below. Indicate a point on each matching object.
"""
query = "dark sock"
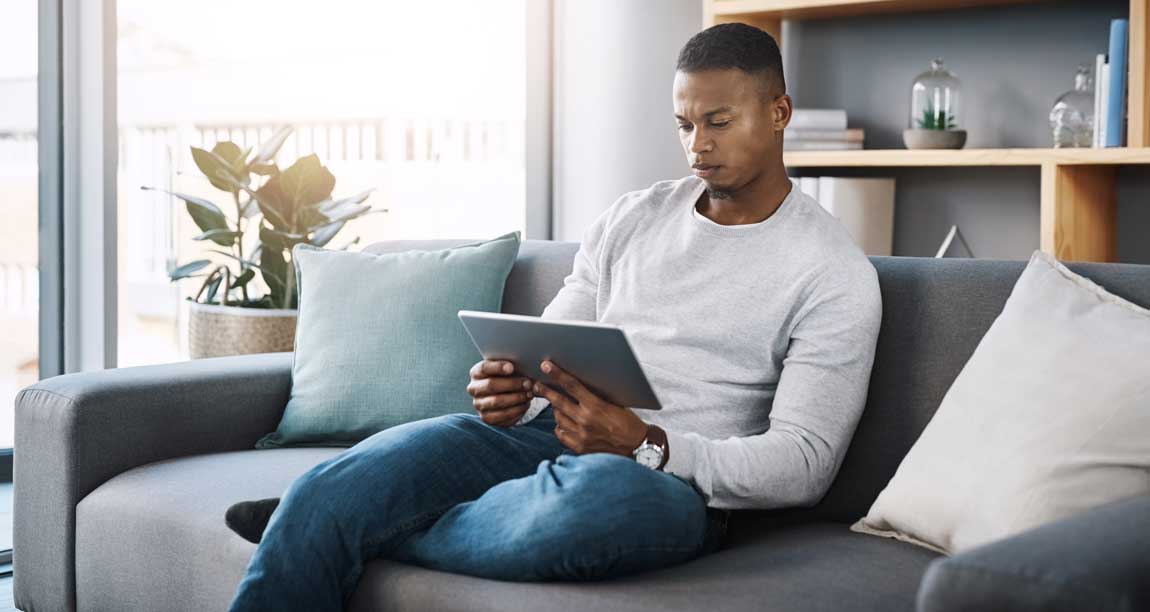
(250, 518)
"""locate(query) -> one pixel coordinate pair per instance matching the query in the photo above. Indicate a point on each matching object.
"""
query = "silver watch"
(649, 454)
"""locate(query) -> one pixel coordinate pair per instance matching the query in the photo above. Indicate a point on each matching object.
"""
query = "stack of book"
(818, 129)
(1110, 89)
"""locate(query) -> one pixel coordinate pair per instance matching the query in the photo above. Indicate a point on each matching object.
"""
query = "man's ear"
(781, 109)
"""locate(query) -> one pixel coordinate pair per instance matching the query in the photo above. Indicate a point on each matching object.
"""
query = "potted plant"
(270, 211)
(934, 110)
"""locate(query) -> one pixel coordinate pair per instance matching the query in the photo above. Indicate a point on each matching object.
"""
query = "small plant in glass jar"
(935, 110)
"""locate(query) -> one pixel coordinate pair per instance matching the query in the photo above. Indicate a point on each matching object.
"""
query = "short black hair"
(735, 45)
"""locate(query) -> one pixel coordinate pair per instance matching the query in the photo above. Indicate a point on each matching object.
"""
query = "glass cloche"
(934, 100)
(1072, 117)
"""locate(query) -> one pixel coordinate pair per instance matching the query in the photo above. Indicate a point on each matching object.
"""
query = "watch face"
(649, 456)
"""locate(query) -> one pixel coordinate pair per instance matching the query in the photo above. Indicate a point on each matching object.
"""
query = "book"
(865, 207)
(818, 119)
(1103, 98)
(820, 145)
(851, 135)
(1117, 90)
(1099, 64)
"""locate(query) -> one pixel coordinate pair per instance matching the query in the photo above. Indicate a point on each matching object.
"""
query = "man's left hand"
(589, 423)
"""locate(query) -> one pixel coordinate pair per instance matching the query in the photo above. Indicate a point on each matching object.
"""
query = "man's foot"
(250, 518)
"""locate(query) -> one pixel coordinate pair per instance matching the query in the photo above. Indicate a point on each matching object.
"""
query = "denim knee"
(617, 479)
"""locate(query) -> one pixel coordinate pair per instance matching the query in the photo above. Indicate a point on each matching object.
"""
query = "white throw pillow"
(1049, 417)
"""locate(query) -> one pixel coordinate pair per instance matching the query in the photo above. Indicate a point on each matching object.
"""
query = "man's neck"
(753, 203)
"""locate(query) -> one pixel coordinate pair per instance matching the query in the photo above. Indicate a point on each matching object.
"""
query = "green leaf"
(206, 215)
(347, 213)
(273, 204)
(304, 183)
(329, 204)
(252, 263)
(272, 146)
(307, 181)
(241, 280)
(188, 269)
(274, 267)
(212, 287)
(324, 235)
(222, 237)
(265, 169)
(217, 164)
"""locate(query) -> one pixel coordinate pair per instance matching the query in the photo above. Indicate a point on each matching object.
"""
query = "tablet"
(596, 353)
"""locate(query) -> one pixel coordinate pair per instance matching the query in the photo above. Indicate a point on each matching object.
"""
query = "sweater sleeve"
(818, 401)
(578, 297)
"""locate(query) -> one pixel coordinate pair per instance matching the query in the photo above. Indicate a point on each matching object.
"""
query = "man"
(756, 318)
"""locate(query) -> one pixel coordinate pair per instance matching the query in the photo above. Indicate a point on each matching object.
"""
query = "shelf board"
(885, 158)
(822, 9)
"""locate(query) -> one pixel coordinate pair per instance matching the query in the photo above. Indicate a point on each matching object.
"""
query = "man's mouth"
(704, 171)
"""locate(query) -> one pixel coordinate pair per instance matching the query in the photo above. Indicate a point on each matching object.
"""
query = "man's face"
(727, 122)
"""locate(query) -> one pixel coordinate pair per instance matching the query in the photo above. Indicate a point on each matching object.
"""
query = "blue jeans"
(455, 494)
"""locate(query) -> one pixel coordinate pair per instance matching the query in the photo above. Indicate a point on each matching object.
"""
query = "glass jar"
(934, 99)
(1072, 117)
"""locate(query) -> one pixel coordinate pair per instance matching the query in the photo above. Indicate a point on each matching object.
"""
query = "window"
(424, 102)
(19, 281)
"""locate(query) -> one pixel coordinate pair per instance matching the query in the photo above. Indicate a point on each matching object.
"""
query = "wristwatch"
(653, 451)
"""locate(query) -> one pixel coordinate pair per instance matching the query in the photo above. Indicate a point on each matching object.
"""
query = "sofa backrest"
(535, 278)
(935, 311)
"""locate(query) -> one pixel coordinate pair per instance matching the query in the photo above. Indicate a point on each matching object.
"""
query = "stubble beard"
(716, 193)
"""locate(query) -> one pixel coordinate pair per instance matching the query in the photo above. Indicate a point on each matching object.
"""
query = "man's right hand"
(500, 396)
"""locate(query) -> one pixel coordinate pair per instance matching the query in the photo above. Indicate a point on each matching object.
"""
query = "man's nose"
(699, 143)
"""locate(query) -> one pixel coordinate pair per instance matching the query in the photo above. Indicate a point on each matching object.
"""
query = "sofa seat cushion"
(814, 566)
(161, 525)
(154, 538)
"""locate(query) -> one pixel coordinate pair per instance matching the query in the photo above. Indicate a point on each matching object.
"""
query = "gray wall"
(614, 124)
(1013, 62)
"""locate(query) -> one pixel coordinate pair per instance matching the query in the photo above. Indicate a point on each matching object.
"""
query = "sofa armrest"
(1095, 560)
(74, 432)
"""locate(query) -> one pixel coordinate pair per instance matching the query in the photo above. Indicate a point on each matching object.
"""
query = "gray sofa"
(122, 479)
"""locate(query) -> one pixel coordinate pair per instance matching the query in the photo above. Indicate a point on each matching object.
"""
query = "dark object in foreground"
(250, 518)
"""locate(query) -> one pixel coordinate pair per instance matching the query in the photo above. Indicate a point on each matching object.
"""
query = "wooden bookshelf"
(1078, 192)
(891, 158)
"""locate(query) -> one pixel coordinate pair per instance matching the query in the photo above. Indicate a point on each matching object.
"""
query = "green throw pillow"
(378, 342)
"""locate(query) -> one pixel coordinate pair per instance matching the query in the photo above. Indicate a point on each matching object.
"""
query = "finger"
(551, 395)
(492, 367)
(566, 438)
(565, 421)
(479, 387)
(501, 384)
(500, 401)
(569, 409)
(504, 416)
(570, 384)
(560, 403)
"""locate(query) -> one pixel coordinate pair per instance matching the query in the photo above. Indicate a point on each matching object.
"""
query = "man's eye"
(684, 126)
(720, 124)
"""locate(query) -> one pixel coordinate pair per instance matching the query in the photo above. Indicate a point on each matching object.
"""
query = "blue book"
(1117, 94)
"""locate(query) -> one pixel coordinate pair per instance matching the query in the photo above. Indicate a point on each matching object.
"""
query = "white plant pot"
(218, 331)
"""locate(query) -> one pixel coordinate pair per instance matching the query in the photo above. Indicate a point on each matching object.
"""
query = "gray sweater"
(758, 338)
